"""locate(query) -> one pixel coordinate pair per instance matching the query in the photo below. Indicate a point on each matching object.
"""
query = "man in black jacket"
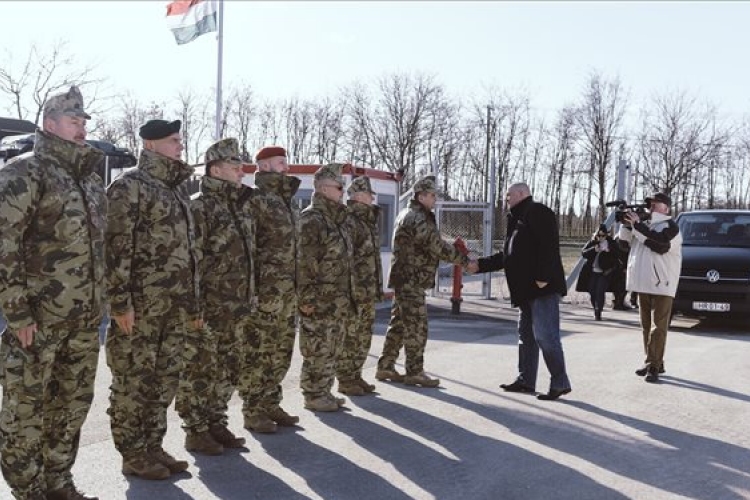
(535, 276)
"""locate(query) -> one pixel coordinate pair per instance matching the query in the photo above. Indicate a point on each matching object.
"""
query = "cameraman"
(653, 271)
(601, 254)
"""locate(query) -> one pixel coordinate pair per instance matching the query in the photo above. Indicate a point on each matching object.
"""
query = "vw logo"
(713, 276)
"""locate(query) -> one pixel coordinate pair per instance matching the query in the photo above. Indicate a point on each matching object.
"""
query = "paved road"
(614, 437)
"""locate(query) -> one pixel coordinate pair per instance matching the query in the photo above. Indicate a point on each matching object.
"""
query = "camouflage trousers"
(47, 392)
(145, 369)
(321, 338)
(268, 348)
(210, 375)
(407, 328)
(356, 344)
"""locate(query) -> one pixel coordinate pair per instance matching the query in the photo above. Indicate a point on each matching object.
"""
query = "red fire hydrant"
(458, 277)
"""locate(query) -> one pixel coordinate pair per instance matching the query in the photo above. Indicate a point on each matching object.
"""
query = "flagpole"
(219, 67)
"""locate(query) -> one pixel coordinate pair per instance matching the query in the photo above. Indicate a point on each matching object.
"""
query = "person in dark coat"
(617, 278)
(535, 276)
(601, 254)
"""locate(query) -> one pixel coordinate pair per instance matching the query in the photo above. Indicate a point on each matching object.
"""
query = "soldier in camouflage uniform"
(153, 290)
(417, 250)
(368, 287)
(326, 291)
(270, 340)
(224, 243)
(52, 214)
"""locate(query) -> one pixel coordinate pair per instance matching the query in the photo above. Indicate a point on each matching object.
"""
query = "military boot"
(175, 466)
(339, 401)
(145, 467)
(203, 443)
(281, 417)
(389, 374)
(322, 403)
(364, 385)
(422, 380)
(225, 437)
(260, 423)
(68, 493)
(351, 388)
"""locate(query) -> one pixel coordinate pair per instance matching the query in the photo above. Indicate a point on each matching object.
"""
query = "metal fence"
(472, 222)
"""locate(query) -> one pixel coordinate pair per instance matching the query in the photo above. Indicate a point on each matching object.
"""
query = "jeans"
(539, 328)
(598, 283)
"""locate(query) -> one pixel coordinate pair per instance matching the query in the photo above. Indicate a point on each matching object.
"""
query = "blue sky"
(310, 49)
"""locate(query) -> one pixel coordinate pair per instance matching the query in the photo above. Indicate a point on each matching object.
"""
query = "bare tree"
(328, 130)
(391, 129)
(41, 73)
(677, 139)
(241, 114)
(297, 117)
(193, 110)
(599, 118)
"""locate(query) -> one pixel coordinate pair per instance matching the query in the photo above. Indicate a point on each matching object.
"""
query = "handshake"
(473, 266)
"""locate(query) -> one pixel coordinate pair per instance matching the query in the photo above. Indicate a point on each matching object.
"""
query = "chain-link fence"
(471, 221)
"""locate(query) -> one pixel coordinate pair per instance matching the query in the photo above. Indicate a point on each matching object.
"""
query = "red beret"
(269, 152)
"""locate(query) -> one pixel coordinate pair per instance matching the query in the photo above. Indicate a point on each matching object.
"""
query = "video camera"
(623, 208)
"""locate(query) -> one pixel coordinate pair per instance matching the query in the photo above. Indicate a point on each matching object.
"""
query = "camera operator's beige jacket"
(648, 270)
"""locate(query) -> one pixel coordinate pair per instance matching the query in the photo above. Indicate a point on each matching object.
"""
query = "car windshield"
(717, 229)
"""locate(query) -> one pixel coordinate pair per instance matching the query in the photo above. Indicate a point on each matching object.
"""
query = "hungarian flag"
(189, 19)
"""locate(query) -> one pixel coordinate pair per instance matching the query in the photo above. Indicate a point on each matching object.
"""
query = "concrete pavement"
(613, 437)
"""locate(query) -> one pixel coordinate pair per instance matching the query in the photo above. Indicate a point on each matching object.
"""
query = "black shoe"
(652, 377)
(553, 394)
(621, 307)
(644, 370)
(598, 315)
(517, 387)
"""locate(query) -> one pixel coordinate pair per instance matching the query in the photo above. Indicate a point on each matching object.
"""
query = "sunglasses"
(335, 186)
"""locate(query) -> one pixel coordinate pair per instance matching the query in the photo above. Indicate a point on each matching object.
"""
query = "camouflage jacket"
(151, 239)
(325, 256)
(225, 236)
(417, 249)
(52, 214)
(367, 266)
(275, 237)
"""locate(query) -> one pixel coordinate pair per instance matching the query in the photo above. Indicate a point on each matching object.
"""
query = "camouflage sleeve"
(122, 196)
(18, 192)
(309, 255)
(430, 238)
(201, 240)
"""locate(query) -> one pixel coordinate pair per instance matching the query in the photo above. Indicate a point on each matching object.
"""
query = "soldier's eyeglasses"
(335, 186)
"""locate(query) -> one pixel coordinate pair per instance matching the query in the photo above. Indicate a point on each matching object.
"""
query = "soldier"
(417, 249)
(153, 292)
(270, 342)
(326, 291)
(368, 286)
(224, 242)
(52, 213)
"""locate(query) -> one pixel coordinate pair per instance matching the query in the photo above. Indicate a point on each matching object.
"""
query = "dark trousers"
(598, 283)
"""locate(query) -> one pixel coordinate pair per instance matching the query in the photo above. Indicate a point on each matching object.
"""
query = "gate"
(472, 221)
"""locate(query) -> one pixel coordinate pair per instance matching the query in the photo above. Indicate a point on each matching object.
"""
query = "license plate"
(711, 306)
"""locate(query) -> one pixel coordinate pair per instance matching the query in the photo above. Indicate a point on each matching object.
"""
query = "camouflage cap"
(227, 150)
(360, 185)
(69, 103)
(426, 184)
(331, 172)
